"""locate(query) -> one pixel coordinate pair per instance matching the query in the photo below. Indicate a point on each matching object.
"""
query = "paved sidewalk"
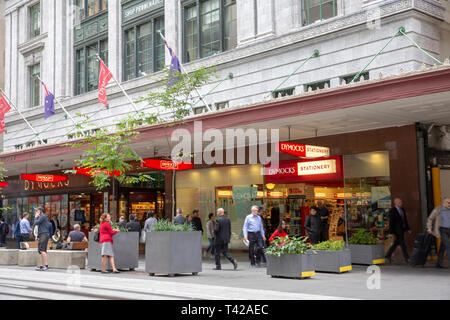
(397, 282)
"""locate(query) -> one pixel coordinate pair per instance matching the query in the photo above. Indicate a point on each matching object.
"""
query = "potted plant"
(173, 249)
(290, 257)
(365, 248)
(332, 257)
(125, 247)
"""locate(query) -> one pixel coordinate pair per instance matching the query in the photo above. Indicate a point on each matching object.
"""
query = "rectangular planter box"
(9, 257)
(367, 254)
(63, 259)
(28, 258)
(125, 247)
(173, 252)
(333, 261)
(292, 265)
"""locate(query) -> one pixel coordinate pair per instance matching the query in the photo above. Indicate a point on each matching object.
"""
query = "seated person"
(57, 241)
(76, 235)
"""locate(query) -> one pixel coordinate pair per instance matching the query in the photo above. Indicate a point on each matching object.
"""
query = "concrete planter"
(173, 253)
(63, 259)
(9, 257)
(28, 258)
(367, 254)
(297, 266)
(333, 261)
(125, 247)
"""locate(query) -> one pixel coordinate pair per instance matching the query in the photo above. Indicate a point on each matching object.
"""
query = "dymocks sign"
(304, 150)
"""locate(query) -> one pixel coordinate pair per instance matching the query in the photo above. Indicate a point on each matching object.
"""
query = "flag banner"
(104, 76)
(4, 106)
(49, 106)
(174, 66)
(2, 123)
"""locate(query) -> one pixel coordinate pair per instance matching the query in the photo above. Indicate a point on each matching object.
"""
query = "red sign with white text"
(166, 165)
(91, 172)
(304, 150)
(43, 177)
(3, 184)
(325, 169)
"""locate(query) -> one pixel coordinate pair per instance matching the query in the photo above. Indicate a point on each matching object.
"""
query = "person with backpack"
(4, 230)
(17, 232)
(438, 224)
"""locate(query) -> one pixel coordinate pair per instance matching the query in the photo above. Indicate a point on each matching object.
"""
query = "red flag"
(2, 123)
(4, 106)
(103, 79)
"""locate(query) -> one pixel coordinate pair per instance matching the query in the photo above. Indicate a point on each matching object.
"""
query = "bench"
(63, 259)
(9, 257)
(32, 245)
(28, 258)
(77, 246)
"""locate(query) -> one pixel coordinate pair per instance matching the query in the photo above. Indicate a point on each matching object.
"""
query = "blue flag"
(174, 66)
(49, 105)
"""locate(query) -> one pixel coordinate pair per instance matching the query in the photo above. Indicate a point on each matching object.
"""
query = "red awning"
(43, 177)
(166, 165)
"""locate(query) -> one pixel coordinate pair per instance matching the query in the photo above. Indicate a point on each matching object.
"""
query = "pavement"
(396, 281)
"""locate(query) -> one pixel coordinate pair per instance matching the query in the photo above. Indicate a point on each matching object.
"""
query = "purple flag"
(174, 66)
(49, 105)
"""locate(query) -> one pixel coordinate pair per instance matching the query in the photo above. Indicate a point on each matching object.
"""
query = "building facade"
(254, 46)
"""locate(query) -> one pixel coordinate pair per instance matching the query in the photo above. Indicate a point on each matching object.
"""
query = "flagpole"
(121, 88)
(20, 113)
(184, 70)
(60, 104)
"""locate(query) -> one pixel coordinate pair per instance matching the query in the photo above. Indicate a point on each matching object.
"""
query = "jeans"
(445, 245)
(399, 241)
(211, 246)
(255, 247)
(222, 248)
(18, 242)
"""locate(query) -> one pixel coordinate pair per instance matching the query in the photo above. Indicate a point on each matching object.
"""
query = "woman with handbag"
(106, 239)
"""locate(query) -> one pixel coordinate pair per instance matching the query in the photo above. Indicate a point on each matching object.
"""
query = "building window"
(88, 8)
(283, 93)
(144, 49)
(209, 28)
(318, 10)
(87, 65)
(35, 89)
(199, 110)
(35, 20)
(222, 105)
(348, 79)
(317, 85)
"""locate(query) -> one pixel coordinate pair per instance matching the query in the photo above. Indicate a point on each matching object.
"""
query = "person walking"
(438, 224)
(179, 219)
(324, 214)
(151, 220)
(210, 225)
(4, 230)
(313, 225)
(43, 232)
(280, 232)
(25, 228)
(262, 215)
(398, 224)
(222, 236)
(106, 239)
(254, 233)
(196, 221)
(17, 232)
(133, 225)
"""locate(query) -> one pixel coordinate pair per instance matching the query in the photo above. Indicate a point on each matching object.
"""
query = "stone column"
(246, 21)
(265, 18)
(115, 38)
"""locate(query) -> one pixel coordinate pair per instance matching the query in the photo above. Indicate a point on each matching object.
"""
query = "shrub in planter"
(290, 257)
(332, 257)
(173, 249)
(365, 248)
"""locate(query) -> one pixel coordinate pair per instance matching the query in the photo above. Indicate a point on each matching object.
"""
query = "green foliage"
(362, 236)
(329, 245)
(166, 225)
(181, 95)
(288, 245)
(110, 151)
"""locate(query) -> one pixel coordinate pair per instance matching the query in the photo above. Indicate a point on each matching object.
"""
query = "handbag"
(97, 236)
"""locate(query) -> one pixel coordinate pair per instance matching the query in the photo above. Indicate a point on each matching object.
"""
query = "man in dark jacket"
(222, 232)
(313, 226)
(133, 225)
(398, 224)
(44, 229)
(196, 221)
(4, 230)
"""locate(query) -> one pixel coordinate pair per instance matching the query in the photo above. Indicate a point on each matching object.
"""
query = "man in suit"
(179, 219)
(133, 225)
(222, 232)
(398, 224)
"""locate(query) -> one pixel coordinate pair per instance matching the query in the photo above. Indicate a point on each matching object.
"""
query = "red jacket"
(106, 232)
(277, 234)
